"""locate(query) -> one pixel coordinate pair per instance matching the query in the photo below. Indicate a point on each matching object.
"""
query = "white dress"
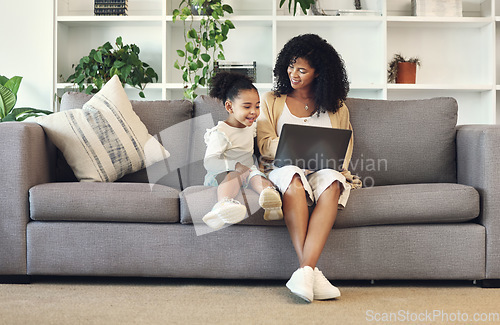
(226, 146)
(314, 182)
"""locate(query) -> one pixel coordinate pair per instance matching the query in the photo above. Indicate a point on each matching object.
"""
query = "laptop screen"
(311, 147)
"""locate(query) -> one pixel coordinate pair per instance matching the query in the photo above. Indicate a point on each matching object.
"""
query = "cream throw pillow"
(105, 139)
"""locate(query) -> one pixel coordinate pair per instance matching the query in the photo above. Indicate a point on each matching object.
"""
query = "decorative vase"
(407, 72)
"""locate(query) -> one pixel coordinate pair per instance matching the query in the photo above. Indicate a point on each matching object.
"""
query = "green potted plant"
(304, 5)
(8, 99)
(203, 41)
(402, 70)
(95, 69)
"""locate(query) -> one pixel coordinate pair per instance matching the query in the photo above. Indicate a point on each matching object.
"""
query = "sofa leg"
(15, 279)
(490, 283)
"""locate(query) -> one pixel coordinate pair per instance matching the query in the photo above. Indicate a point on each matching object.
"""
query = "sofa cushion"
(407, 204)
(380, 205)
(122, 202)
(104, 140)
(404, 142)
(159, 117)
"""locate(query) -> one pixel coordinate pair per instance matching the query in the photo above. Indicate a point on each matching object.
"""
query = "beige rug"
(180, 301)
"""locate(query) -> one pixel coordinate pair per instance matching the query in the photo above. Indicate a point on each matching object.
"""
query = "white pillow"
(105, 139)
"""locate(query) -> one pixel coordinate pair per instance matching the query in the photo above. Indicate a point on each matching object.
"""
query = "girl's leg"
(320, 225)
(259, 183)
(229, 187)
(226, 210)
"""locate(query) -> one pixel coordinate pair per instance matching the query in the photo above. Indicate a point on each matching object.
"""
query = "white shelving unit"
(458, 54)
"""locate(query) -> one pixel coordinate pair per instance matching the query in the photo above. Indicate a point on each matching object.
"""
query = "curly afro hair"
(330, 87)
(227, 85)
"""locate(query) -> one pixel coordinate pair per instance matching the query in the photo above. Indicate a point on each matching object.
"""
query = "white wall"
(26, 49)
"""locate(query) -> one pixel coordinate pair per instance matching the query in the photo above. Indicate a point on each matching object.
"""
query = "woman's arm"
(267, 138)
(345, 123)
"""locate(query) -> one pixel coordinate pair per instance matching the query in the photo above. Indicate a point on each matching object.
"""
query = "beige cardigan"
(271, 108)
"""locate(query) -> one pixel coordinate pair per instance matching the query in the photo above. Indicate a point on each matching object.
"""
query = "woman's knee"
(296, 185)
(333, 190)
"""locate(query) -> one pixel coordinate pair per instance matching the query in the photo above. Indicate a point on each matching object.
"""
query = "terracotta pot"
(407, 73)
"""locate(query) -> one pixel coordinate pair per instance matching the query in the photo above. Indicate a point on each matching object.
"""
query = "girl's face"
(244, 109)
(301, 74)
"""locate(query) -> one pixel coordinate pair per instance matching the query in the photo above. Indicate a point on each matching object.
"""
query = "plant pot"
(407, 73)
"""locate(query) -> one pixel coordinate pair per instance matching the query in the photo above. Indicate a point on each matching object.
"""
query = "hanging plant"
(97, 68)
(203, 43)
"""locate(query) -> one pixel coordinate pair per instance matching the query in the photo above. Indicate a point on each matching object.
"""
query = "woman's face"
(301, 74)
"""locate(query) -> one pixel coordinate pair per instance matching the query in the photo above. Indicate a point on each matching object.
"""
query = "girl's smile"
(244, 109)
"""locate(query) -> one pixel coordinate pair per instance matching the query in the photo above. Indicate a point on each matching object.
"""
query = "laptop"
(312, 147)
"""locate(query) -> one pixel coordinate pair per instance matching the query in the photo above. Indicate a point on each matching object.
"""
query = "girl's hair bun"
(227, 85)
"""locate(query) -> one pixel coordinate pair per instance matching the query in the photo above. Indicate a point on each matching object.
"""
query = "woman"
(311, 88)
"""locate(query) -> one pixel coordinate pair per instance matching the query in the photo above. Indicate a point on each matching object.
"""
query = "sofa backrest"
(395, 142)
(403, 142)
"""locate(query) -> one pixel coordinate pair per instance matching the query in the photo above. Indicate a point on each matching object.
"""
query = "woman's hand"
(354, 180)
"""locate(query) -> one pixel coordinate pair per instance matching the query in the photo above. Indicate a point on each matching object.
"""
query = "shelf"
(469, 44)
(103, 21)
(437, 22)
(66, 85)
(322, 21)
(432, 87)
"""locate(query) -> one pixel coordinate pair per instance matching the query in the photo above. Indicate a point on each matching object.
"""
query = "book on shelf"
(111, 7)
(122, 2)
(437, 8)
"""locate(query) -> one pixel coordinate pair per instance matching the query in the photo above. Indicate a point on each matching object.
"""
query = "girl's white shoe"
(270, 201)
(225, 211)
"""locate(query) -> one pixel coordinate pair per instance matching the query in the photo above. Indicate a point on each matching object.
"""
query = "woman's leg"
(296, 214)
(320, 225)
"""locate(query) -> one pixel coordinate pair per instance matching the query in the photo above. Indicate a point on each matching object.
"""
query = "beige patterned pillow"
(105, 139)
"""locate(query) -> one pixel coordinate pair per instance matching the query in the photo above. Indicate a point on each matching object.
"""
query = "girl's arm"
(217, 144)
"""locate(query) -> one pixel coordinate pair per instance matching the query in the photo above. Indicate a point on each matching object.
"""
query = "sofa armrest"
(25, 162)
(478, 165)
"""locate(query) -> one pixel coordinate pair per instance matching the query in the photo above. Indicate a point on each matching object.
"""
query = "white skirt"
(314, 183)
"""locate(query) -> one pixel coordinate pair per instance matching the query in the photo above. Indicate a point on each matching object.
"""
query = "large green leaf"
(3, 80)
(7, 101)
(13, 84)
(22, 113)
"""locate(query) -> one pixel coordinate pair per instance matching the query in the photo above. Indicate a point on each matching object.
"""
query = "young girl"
(229, 157)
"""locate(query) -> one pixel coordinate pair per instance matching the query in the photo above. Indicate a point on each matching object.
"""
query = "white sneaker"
(213, 220)
(270, 201)
(225, 211)
(301, 283)
(323, 289)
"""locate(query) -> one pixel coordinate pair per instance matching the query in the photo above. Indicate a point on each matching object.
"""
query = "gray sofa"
(429, 209)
